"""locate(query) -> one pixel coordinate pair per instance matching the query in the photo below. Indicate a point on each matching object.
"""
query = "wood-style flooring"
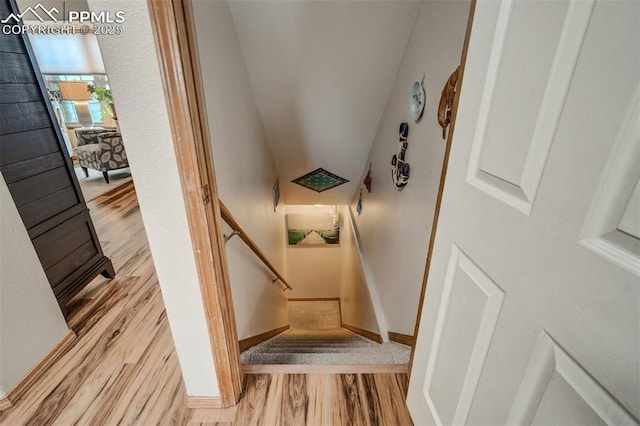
(123, 367)
(319, 399)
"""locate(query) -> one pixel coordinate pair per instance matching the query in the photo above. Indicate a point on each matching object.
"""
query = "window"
(67, 107)
(96, 111)
(69, 111)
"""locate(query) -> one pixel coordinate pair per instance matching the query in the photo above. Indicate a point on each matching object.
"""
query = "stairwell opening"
(288, 100)
(331, 320)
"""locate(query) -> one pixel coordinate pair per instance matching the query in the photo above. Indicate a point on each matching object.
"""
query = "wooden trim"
(325, 368)
(252, 341)
(366, 333)
(443, 176)
(5, 403)
(404, 339)
(203, 402)
(314, 299)
(233, 223)
(36, 373)
(172, 26)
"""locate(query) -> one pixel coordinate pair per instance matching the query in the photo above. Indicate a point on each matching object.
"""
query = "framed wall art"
(313, 230)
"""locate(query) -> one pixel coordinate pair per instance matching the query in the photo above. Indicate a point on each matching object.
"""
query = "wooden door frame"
(443, 176)
(173, 31)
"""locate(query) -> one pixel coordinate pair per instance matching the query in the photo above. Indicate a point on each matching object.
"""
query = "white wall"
(356, 303)
(245, 171)
(314, 271)
(31, 322)
(395, 225)
(134, 76)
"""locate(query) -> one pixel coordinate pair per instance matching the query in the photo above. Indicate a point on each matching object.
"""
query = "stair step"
(314, 349)
(322, 358)
(312, 344)
(335, 346)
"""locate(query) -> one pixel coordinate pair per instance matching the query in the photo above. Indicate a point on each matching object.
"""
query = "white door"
(532, 308)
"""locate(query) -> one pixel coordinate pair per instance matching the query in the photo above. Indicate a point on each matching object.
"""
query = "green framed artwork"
(313, 237)
(314, 229)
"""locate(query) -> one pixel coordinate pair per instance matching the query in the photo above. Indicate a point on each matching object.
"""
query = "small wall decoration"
(359, 206)
(446, 101)
(314, 230)
(418, 97)
(276, 194)
(320, 180)
(368, 180)
(400, 169)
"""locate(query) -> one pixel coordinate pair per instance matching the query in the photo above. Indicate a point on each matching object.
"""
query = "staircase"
(315, 337)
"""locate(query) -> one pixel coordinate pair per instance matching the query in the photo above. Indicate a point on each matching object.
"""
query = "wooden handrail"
(235, 226)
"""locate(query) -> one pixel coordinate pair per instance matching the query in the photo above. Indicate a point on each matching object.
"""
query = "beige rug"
(94, 186)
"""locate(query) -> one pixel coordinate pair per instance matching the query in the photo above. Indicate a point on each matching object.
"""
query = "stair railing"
(240, 232)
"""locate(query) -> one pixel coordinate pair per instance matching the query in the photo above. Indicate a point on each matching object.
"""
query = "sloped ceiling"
(321, 73)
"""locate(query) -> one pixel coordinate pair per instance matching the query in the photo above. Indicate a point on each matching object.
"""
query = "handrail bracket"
(230, 236)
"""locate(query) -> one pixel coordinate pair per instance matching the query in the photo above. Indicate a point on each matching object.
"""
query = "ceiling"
(321, 73)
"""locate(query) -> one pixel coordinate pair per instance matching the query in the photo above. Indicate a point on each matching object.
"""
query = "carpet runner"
(324, 346)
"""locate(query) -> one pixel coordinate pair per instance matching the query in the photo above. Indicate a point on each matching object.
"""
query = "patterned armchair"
(101, 150)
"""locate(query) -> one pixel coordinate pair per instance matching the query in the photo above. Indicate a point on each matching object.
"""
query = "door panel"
(25, 145)
(520, 110)
(27, 92)
(47, 207)
(511, 107)
(470, 306)
(33, 188)
(57, 243)
(556, 390)
(22, 117)
(611, 227)
(15, 67)
(26, 169)
(532, 308)
(38, 171)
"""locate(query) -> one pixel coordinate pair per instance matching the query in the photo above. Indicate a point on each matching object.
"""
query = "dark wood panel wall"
(40, 175)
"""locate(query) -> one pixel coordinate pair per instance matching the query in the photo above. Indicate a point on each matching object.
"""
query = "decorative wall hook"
(446, 101)
(368, 180)
(400, 168)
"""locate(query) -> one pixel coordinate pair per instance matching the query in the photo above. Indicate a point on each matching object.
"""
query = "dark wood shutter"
(39, 173)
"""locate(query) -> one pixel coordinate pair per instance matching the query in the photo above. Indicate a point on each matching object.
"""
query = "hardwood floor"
(123, 367)
(316, 399)
(324, 399)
